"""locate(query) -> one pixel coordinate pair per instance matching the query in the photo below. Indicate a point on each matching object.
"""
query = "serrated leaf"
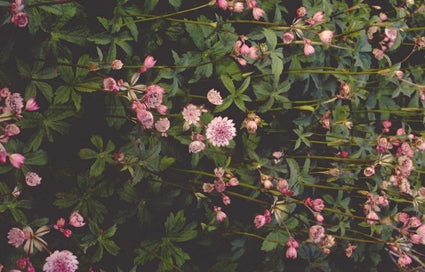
(273, 239)
(228, 84)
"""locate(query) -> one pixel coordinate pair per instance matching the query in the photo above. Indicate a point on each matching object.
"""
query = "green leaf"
(273, 239)
(111, 247)
(97, 167)
(110, 232)
(62, 95)
(86, 154)
(97, 142)
(175, 3)
(228, 83)
(166, 162)
(81, 70)
(271, 38)
(45, 89)
(294, 171)
(38, 157)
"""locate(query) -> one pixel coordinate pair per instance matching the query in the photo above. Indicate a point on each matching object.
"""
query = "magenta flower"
(220, 131)
(32, 179)
(61, 261)
(76, 220)
(16, 237)
(16, 160)
(31, 105)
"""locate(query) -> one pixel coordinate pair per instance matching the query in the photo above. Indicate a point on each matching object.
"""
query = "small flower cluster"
(262, 219)
(317, 235)
(318, 17)
(291, 251)
(372, 206)
(281, 184)
(12, 107)
(241, 49)
(316, 206)
(239, 6)
(220, 184)
(17, 16)
(251, 123)
(75, 220)
(390, 35)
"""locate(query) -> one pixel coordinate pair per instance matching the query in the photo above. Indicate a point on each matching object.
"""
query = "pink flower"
(238, 7)
(404, 260)
(162, 125)
(319, 217)
(148, 63)
(16, 237)
(19, 19)
(145, 118)
(11, 130)
(372, 218)
(220, 131)
(219, 185)
(369, 171)
(110, 85)
(207, 187)
(379, 54)
(219, 172)
(326, 36)
(349, 250)
(31, 105)
(257, 13)
(233, 182)
(191, 114)
(220, 215)
(60, 223)
(259, 221)
(76, 220)
(16, 6)
(117, 64)
(318, 204)
(32, 179)
(214, 97)
(67, 233)
(226, 199)
(22, 263)
(291, 253)
(318, 17)
(14, 102)
(16, 160)
(301, 12)
(196, 147)
(316, 233)
(153, 97)
(308, 48)
(61, 261)
(222, 4)
(288, 37)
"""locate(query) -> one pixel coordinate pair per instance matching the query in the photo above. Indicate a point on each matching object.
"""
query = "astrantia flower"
(31, 105)
(16, 237)
(16, 160)
(76, 220)
(191, 114)
(15, 103)
(61, 261)
(214, 97)
(32, 179)
(19, 19)
(196, 147)
(162, 125)
(220, 131)
(110, 85)
(326, 36)
(153, 97)
(117, 64)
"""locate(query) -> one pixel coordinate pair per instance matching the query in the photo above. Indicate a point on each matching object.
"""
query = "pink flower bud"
(19, 19)
(196, 147)
(16, 160)
(291, 253)
(318, 17)
(301, 12)
(32, 179)
(11, 130)
(76, 220)
(404, 260)
(222, 4)
(259, 221)
(326, 36)
(226, 199)
(372, 218)
(110, 85)
(67, 233)
(308, 48)
(148, 63)
(319, 217)
(220, 215)
(257, 13)
(60, 223)
(31, 105)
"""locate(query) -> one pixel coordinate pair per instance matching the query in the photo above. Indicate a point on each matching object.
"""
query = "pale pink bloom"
(148, 63)
(277, 154)
(316, 233)
(405, 149)
(319, 217)
(349, 250)
(383, 145)
(191, 114)
(222, 4)
(196, 147)
(19, 19)
(233, 182)
(116, 64)
(288, 37)
(404, 260)
(11, 130)
(76, 220)
(15, 192)
(326, 36)
(282, 185)
(226, 200)
(257, 13)
(154, 95)
(391, 33)
(414, 222)
(318, 17)
(387, 123)
(326, 123)
(405, 166)
(328, 241)
(372, 218)
(219, 172)
(207, 187)
(5, 92)
(238, 7)
(244, 49)
(145, 118)
(301, 12)
(220, 215)
(61, 261)
(420, 143)
(318, 204)
(241, 61)
(219, 185)
(32, 179)
(251, 126)
(16, 160)
(60, 223)
(259, 221)
(109, 84)
(16, 6)
(415, 238)
(421, 192)
(162, 125)
(16, 237)
(214, 97)
(220, 131)
(383, 201)
(14, 102)
(251, 3)
(67, 233)
(253, 53)
(369, 171)
(31, 105)
(308, 48)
